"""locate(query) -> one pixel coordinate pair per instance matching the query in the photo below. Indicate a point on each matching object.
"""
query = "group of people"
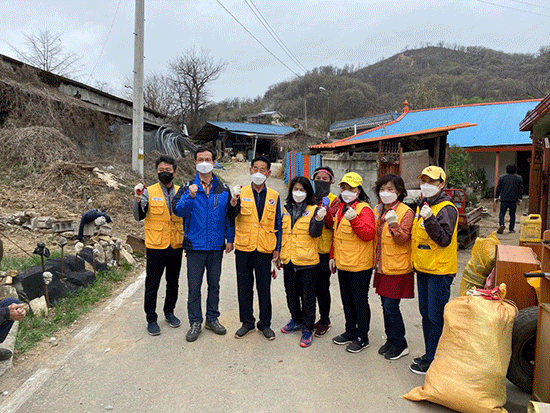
(312, 235)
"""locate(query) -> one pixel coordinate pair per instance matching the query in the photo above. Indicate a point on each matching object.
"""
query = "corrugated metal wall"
(297, 164)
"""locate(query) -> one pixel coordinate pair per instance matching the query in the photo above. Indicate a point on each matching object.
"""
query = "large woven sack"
(480, 264)
(468, 373)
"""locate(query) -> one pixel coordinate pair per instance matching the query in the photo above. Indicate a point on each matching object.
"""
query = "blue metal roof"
(366, 121)
(254, 128)
(497, 124)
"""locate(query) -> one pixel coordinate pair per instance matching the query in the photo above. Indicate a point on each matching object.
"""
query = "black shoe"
(357, 345)
(193, 332)
(511, 231)
(344, 338)
(396, 352)
(243, 331)
(382, 350)
(153, 328)
(501, 229)
(6, 354)
(269, 333)
(419, 360)
(420, 368)
(216, 327)
(173, 320)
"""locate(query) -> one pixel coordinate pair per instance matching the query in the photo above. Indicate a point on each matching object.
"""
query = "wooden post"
(497, 159)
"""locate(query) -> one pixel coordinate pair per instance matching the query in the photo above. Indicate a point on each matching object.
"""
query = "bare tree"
(158, 94)
(45, 51)
(193, 72)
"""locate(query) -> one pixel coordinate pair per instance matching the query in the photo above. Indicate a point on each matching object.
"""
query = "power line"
(273, 34)
(531, 4)
(255, 38)
(105, 43)
(513, 8)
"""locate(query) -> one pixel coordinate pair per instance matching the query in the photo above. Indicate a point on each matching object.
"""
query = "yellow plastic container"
(531, 228)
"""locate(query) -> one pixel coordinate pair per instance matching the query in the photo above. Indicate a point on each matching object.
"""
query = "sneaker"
(420, 368)
(193, 332)
(396, 352)
(153, 328)
(501, 229)
(173, 321)
(357, 345)
(344, 338)
(512, 231)
(382, 350)
(268, 333)
(6, 354)
(321, 329)
(243, 331)
(290, 327)
(420, 359)
(307, 336)
(216, 327)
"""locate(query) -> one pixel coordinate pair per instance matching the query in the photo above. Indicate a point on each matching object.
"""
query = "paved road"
(109, 363)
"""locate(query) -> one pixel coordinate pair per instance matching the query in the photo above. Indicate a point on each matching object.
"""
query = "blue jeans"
(393, 321)
(6, 325)
(511, 207)
(433, 293)
(197, 261)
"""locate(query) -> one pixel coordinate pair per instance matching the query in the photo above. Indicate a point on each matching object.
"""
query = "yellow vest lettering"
(297, 245)
(162, 229)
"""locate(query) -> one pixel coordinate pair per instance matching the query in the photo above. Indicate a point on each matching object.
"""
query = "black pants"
(157, 261)
(322, 288)
(354, 290)
(252, 265)
(300, 293)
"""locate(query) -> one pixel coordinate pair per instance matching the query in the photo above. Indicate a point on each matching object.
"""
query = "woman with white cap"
(353, 252)
(433, 249)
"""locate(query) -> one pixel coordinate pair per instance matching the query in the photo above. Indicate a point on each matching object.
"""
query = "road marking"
(33, 383)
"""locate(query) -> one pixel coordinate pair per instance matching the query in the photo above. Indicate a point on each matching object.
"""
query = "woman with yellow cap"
(353, 252)
(433, 249)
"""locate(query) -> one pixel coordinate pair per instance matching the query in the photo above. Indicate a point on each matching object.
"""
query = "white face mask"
(429, 190)
(348, 196)
(298, 196)
(387, 197)
(205, 167)
(258, 178)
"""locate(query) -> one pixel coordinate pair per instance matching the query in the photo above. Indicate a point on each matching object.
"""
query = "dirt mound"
(34, 146)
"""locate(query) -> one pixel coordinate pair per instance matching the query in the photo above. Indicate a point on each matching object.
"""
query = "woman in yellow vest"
(433, 247)
(394, 275)
(302, 224)
(353, 252)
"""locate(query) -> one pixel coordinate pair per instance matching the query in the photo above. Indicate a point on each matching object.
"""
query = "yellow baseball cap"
(353, 179)
(434, 172)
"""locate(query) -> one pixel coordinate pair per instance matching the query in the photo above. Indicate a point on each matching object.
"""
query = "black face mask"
(165, 177)
(322, 189)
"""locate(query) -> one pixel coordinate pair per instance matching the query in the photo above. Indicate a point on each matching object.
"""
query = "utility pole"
(137, 109)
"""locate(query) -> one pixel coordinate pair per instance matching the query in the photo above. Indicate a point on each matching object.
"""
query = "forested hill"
(426, 77)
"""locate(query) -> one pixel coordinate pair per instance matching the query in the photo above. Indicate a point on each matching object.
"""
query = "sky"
(317, 32)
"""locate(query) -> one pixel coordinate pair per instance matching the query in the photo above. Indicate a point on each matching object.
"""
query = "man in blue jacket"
(10, 310)
(208, 231)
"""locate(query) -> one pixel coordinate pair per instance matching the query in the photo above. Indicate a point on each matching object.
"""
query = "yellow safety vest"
(297, 245)
(351, 253)
(162, 229)
(429, 257)
(396, 259)
(250, 233)
(325, 240)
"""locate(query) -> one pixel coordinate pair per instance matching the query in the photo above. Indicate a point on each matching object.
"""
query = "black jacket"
(510, 188)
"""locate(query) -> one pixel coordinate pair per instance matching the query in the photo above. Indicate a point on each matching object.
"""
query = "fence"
(297, 164)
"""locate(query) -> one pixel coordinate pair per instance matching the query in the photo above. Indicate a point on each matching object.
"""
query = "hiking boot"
(243, 331)
(321, 329)
(500, 229)
(153, 328)
(6, 354)
(307, 337)
(420, 368)
(173, 321)
(357, 345)
(216, 327)
(418, 360)
(290, 327)
(382, 350)
(193, 332)
(268, 333)
(396, 352)
(344, 338)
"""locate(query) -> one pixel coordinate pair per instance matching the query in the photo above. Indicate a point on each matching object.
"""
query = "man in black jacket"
(510, 191)
(10, 310)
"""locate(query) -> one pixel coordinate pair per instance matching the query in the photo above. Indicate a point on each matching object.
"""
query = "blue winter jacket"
(207, 223)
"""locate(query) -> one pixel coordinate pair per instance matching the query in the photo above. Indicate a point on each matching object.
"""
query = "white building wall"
(486, 160)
